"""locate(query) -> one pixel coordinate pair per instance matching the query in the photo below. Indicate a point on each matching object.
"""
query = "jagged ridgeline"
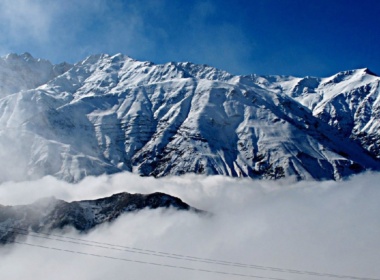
(108, 114)
(49, 214)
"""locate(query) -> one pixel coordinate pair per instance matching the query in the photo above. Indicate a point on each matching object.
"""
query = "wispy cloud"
(27, 20)
(58, 29)
(152, 30)
(197, 36)
(243, 37)
(220, 44)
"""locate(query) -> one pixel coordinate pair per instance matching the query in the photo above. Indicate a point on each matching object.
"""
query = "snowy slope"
(349, 101)
(23, 72)
(108, 113)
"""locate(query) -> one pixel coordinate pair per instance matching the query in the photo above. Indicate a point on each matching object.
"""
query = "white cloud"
(27, 19)
(315, 226)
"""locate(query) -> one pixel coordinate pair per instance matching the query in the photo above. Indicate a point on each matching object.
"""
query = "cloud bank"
(323, 227)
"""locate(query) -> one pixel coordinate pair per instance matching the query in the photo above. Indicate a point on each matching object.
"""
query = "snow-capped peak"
(110, 113)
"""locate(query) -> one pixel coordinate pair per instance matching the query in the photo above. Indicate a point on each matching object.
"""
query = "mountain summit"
(108, 114)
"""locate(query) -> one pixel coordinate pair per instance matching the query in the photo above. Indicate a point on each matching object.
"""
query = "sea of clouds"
(324, 227)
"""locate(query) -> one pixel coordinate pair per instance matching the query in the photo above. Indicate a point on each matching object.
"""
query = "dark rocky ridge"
(48, 214)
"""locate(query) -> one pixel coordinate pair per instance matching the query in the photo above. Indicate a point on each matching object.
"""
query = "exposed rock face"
(49, 213)
(108, 114)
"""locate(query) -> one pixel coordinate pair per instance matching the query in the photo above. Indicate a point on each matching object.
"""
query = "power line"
(177, 256)
(150, 263)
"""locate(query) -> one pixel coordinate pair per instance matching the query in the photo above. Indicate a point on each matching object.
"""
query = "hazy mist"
(330, 227)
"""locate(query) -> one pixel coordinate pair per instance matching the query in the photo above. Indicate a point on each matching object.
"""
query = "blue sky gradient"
(294, 37)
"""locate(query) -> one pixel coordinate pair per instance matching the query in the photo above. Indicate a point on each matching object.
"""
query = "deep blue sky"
(295, 37)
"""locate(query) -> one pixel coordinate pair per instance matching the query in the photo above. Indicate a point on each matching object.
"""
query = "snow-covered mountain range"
(48, 214)
(108, 114)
